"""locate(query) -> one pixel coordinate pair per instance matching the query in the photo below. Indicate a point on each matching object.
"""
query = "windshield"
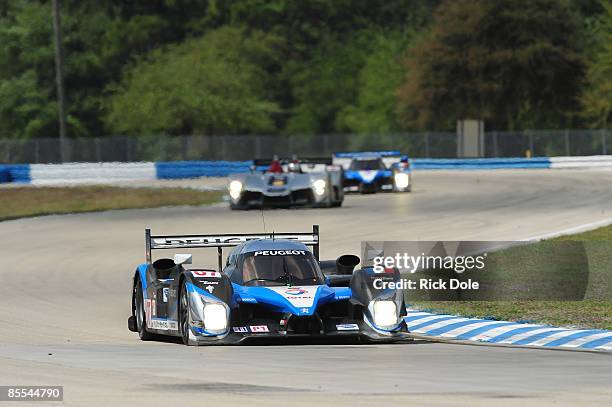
(365, 165)
(280, 267)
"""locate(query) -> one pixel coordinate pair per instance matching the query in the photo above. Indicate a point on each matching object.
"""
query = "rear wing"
(260, 162)
(158, 242)
(388, 157)
(309, 164)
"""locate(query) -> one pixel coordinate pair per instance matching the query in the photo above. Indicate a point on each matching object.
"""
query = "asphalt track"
(65, 298)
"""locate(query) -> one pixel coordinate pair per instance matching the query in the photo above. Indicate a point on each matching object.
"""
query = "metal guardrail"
(240, 148)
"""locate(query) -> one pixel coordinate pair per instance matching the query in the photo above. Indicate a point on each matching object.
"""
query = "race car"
(286, 183)
(272, 286)
(370, 172)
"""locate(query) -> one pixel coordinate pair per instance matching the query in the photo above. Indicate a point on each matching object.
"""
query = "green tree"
(217, 83)
(513, 63)
(597, 96)
(374, 110)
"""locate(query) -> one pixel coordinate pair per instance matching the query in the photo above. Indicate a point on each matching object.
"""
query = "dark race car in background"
(305, 182)
(271, 287)
(370, 172)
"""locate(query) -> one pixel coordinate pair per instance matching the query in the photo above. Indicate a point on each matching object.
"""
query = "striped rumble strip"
(505, 333)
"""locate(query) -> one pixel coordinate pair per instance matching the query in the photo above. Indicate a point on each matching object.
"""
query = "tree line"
(301, 67)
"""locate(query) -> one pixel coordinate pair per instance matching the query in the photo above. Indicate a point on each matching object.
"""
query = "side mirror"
(346, 263)
(182, 259)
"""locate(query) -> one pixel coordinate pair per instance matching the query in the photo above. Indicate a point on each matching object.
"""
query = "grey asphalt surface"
(65, 298)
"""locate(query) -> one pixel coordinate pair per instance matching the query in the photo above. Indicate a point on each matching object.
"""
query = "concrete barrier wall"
(48, 174)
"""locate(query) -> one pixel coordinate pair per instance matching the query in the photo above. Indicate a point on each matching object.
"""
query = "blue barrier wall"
(479, 163)
(15, 173)
(194, 169)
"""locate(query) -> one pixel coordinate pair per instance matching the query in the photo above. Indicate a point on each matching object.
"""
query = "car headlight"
(385, 313)
(235, 187)
(215, 317)
(319, 186)
(401, 180)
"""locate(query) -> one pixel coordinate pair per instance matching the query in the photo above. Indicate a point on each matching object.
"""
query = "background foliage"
(312, 66)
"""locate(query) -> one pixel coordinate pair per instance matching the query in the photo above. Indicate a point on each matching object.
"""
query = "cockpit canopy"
(279, 267)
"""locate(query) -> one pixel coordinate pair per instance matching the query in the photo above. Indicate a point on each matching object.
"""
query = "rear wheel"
(141, 315)
(184, 314)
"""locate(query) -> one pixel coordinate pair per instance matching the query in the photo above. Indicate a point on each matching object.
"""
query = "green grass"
(23, 202)
(567, 256)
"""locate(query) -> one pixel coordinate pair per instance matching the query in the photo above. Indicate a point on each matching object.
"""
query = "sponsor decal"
(165, 292)
(347, 327)
(299, 297)
(205, 274)
(280, 253)
(343, 297)
(210, 288)
(304, 310)
(259, 328)
(164, 324)
(295, 291)
(147, 308)
(248, 299)
(241, 329)
(209, 282)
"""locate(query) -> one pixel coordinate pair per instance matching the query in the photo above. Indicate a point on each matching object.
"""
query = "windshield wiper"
(273, 280)
(289, 276)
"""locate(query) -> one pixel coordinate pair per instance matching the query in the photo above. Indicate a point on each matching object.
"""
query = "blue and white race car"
(369, 172)
(271, 286)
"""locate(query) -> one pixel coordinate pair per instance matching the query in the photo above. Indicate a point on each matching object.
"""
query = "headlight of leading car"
(385, 313)
(319, 186)
(215, 317)
(235, 187)
(401, 180)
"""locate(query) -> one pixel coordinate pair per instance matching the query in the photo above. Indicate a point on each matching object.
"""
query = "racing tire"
(141, 315)
(184, 314)
(235, 207)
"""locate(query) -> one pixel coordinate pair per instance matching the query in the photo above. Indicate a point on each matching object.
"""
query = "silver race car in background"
(286, 183)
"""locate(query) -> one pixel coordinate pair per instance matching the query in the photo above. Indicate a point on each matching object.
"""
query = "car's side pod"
(343, 265)
(338, 272)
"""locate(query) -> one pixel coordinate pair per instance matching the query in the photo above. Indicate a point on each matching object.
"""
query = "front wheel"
(184, 314)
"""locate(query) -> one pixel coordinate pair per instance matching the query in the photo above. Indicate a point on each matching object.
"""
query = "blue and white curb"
(450, 327)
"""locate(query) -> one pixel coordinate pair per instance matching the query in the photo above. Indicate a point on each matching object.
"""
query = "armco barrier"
(110, 172)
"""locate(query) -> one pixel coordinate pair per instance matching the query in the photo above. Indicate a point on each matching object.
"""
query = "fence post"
(36, 151)
(567, 143)
(604, 147)
(97, 145)
(531, 144)
(495, 146)
(427, 155)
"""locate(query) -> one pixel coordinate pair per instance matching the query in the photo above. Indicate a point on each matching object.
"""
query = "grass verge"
(595, 311)
(23, 202)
